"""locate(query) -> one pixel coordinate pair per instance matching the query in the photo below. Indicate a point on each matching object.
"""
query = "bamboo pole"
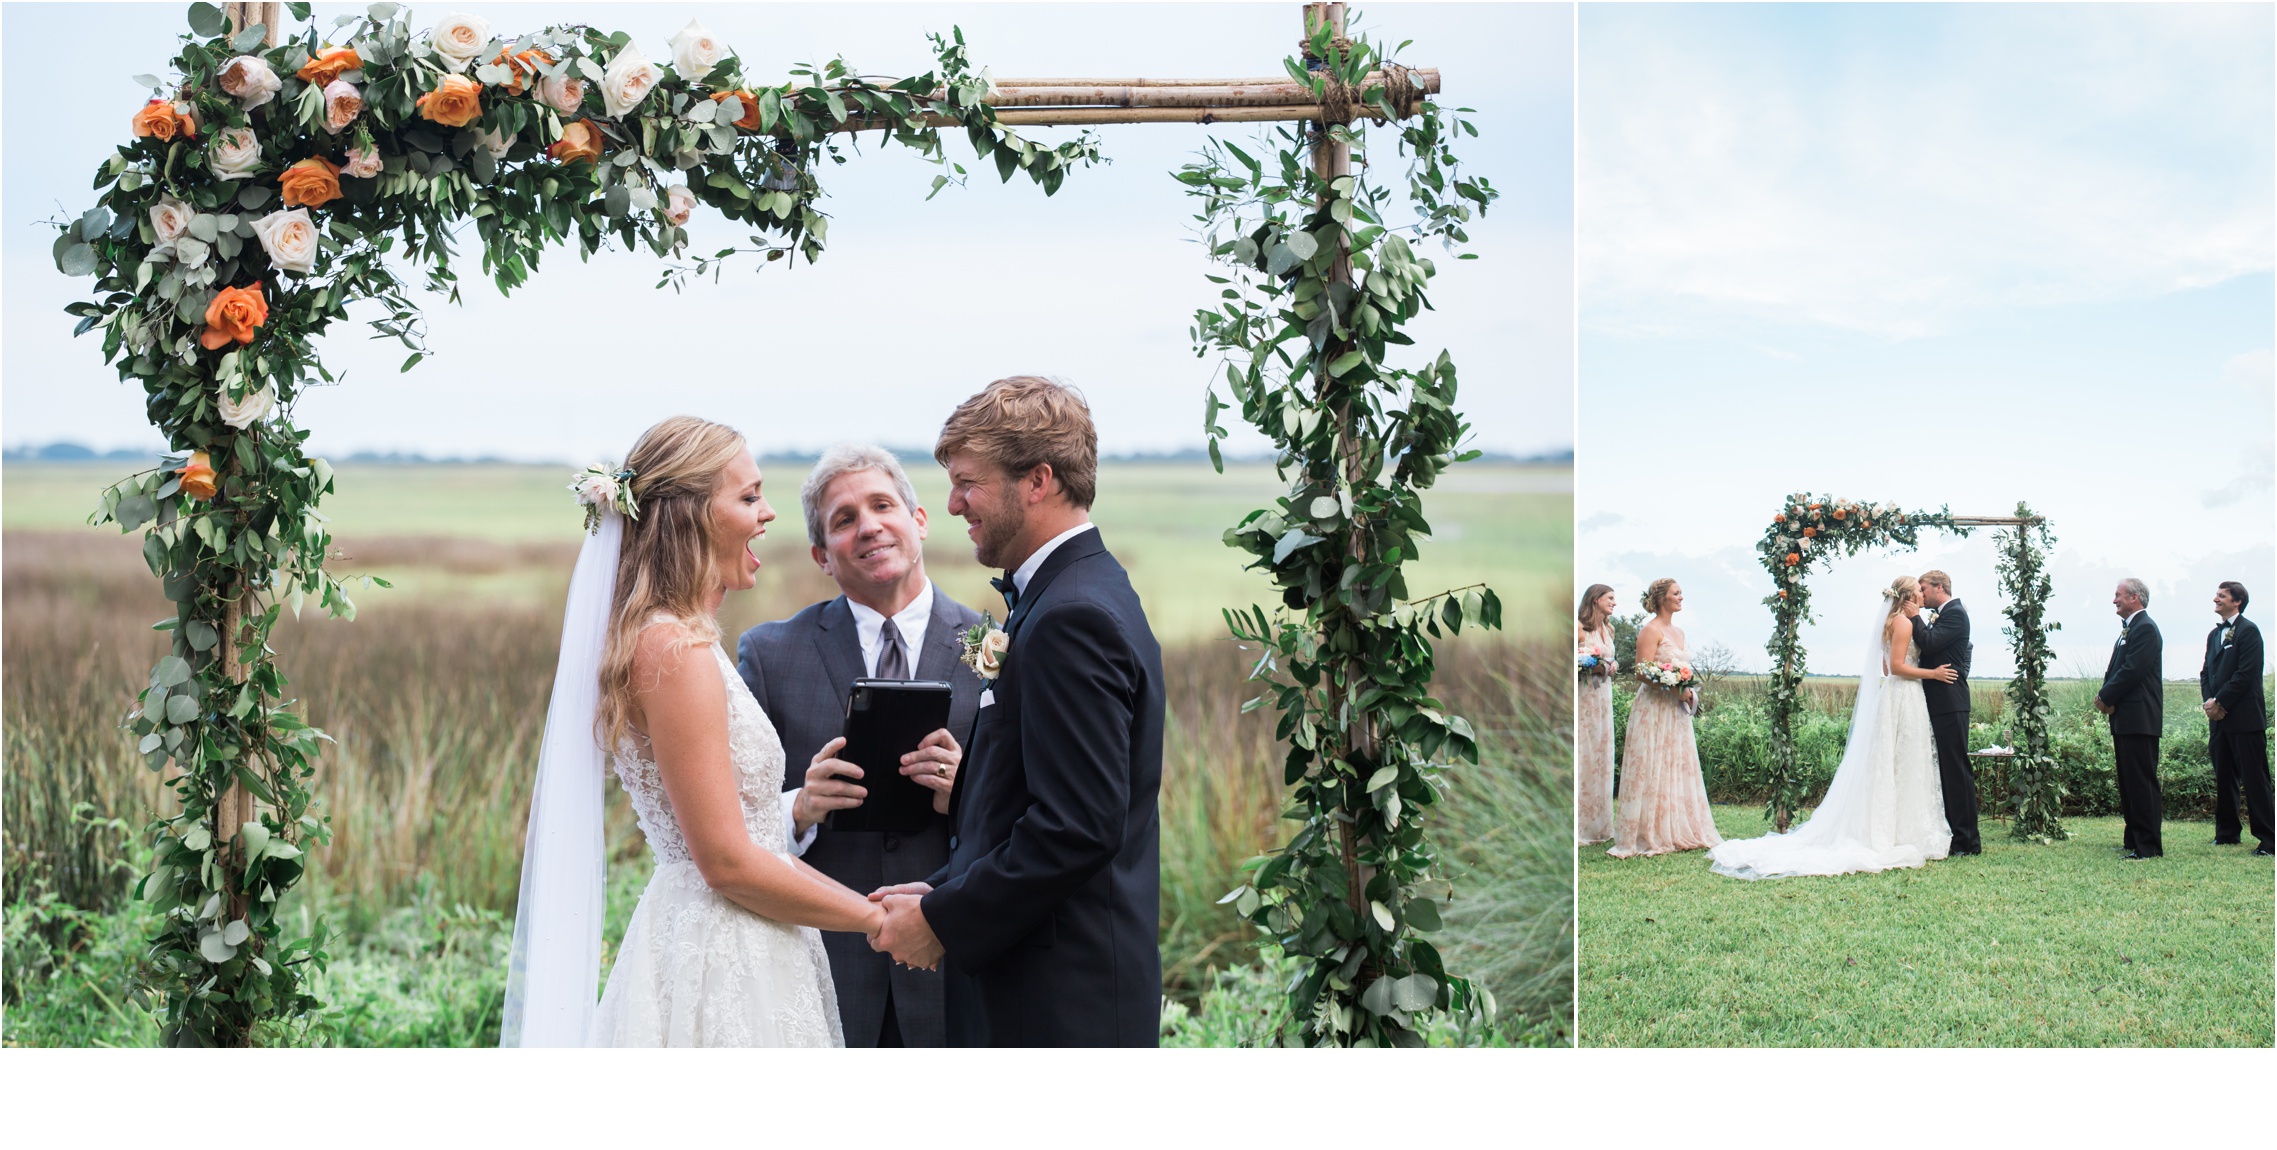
(1195, 94)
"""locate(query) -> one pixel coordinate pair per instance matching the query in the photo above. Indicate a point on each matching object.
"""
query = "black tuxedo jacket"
(799, 669)
(1051, 900)
(1943, 643)
(2132, 684)
(2232, 677)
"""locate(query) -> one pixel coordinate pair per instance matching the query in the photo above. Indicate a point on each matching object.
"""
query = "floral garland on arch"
(259, 192)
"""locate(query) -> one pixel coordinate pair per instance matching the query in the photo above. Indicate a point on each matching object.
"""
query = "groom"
(1942, 633)
(1047, 912)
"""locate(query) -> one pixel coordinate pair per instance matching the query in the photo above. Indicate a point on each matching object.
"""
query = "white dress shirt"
(869, 630)
(1028, 569)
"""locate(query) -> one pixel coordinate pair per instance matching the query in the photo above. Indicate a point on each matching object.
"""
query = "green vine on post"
(2036, 791)
(1318, 284)
(267, 186)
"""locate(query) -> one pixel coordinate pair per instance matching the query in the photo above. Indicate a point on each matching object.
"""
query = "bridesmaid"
(1663, 803)
(1593, 716)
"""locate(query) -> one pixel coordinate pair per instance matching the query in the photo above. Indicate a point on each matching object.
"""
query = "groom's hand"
(916, 888)
(829, 787)
(906, 935)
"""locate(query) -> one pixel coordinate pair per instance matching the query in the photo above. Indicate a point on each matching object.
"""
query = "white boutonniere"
(1929, 616)
(984, 646)
(2227, 633)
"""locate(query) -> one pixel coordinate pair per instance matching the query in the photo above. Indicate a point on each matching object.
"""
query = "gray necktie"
(893, 662)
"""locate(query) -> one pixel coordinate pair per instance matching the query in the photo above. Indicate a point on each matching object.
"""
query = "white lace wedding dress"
(1885, 807)
(696, 969)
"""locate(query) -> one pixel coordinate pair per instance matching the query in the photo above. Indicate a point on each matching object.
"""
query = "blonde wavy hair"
(1655, 593)
(667, 565)
(1899, 590)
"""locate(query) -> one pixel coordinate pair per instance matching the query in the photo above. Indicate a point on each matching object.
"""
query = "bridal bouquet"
(1672, 674)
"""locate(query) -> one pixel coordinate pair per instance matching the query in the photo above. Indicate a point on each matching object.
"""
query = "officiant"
(866, 530)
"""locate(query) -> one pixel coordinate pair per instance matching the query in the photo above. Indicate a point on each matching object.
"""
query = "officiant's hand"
(906, 935)
(2214, 710)
(829, 787)
(934, 765)
(2104, 707)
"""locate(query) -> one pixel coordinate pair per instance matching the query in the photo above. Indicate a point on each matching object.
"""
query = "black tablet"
(886, 719)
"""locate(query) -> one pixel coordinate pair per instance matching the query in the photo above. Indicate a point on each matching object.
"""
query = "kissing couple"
(1035, 923)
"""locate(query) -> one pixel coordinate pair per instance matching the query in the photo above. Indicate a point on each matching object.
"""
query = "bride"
(1885, 807)
(724, 948)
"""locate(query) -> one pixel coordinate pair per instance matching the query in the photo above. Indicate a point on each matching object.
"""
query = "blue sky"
(1095, 285)
(1932, 255)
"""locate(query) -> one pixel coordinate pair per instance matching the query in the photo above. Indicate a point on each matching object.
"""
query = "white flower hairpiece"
(600, 487)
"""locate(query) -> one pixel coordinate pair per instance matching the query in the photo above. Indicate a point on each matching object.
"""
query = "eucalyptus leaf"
(77, 260)
(207, 21)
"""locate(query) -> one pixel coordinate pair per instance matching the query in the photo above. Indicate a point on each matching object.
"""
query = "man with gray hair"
(866, 530)
(2134, 699)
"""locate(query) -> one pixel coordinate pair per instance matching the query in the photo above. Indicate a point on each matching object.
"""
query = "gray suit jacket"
(800, 669)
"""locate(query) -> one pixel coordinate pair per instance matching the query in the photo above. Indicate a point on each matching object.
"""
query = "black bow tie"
(1007, 588)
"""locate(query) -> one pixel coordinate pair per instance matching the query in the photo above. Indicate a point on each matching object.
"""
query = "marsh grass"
(2024, 945)
(436, 704)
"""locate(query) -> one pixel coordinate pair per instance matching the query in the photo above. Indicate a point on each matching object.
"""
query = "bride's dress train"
(1886, 806)
(696, 969)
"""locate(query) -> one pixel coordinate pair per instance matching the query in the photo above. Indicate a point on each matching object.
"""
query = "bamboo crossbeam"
(1991, 521)
(1199, 93)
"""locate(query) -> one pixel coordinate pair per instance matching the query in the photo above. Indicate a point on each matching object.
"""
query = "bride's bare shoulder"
(664, 641)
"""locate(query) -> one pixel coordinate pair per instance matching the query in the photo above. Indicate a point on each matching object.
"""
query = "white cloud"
(1898, 172)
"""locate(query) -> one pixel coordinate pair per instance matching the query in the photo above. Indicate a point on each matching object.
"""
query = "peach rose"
(250, 80)
(564, 94)
(328, 65)
(290, 238)
(749, 120)
(459, 38)
(628, 80)
(159, 121)
(170, 219)
(679, 203)
(342, 103)
(363, 163)
(232, 316)
(313, 183)
(198, 478)
(523, 64)
(236, 154)
(580, 141)
(454, 103)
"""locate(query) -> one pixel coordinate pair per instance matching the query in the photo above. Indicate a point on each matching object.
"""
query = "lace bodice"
(757, 753)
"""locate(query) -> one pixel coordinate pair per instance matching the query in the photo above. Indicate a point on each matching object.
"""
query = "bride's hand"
(1943, 674)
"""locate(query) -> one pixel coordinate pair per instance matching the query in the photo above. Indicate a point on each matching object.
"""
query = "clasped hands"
(2214, 710)
(831, 786)
(904, 933)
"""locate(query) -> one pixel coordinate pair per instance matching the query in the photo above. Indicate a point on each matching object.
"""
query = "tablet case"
(886, 719)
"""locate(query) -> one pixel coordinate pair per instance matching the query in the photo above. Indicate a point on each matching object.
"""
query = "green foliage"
(183, 221)
(1318, 284)
(2036, 795)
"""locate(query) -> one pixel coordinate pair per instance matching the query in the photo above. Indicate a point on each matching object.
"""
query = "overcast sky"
(1930, 255)
(1095, 285)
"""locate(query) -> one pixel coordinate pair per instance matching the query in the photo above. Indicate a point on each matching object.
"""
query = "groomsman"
(1942, 633)
(2134, 697)
(867, 532)
(2237, 714)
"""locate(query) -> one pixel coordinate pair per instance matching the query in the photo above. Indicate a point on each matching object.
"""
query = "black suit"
(799, 669)
(1946, 643)
(2136, 693)
(1051, 900)
(2231, 676)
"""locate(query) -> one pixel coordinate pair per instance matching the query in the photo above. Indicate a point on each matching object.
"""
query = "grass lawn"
(2025, 945)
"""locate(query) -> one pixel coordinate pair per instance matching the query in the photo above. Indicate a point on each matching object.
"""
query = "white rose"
(992, 648)
(290, 239)
(497, 144)
(363, 163)
(678, 203)
(562, 93)
(342, 102)
(628, 80)
(236, 154)
(459, 38)
(244, 413)
(596, 490)
(250, 80)
(170, 218)
(695, 52)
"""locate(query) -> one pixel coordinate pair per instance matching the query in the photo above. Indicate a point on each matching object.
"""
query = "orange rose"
(1810, 532)
(1793, 559)
(454, 103)
(313, 182)
(232, 316)
(161, 119)
(1782, 594)
(328, 65)
(749, 121)
(524, 65)
(198, 478)
(1839, 513)
(1780, 518)
(580, 141)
